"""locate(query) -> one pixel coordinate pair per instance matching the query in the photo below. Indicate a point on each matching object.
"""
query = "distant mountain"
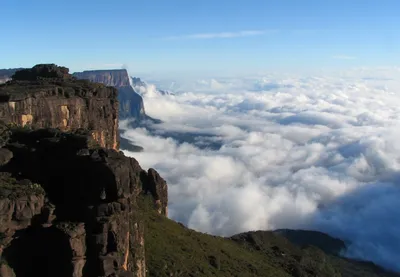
(131, 103)
(149, 90)
(5, 74)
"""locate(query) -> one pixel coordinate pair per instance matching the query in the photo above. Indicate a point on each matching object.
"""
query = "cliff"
(131, 103)
(69, 208)
(68, 199)
(48, 96)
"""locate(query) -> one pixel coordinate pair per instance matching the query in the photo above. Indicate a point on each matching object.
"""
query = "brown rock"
(47, 96)
(16, 214)
(109, 241)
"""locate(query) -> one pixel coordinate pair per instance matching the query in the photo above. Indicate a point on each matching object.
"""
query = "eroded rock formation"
(47, 96)
(157, 187)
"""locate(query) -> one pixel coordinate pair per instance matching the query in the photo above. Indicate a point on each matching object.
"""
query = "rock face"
(47, 96)
(82, 220)
(131, 103)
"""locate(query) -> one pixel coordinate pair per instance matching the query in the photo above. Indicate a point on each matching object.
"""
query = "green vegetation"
(174, 250)
(12, 188)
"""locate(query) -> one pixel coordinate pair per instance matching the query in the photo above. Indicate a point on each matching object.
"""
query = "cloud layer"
(297, 152)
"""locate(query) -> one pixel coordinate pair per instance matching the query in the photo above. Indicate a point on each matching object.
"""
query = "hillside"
(174, 250)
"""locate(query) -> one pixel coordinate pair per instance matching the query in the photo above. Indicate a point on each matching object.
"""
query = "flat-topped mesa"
(47, 96)
(131, 103)
(114, 77)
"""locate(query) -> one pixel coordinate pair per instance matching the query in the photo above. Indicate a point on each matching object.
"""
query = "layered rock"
(47, 96)
(131, 103)
(83, 219)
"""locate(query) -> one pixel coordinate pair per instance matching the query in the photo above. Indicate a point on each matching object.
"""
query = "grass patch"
(12, 188)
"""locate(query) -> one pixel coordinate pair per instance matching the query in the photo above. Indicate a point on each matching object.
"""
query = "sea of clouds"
(301, 152)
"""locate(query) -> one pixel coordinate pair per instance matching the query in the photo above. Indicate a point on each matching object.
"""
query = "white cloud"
(246, 33)
(343, 57)
(297, 152)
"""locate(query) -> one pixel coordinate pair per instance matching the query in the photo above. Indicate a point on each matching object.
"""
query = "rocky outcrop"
(83, 218)
(131, 103)
(47, 96)
(41, 71)
(157, 187)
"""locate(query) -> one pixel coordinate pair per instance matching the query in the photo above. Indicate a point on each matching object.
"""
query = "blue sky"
(183, 36)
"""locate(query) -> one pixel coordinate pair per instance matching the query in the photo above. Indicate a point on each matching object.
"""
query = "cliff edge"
(47, 96)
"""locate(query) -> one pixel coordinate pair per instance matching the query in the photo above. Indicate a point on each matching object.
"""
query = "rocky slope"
(48, 96)
(131, 103)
